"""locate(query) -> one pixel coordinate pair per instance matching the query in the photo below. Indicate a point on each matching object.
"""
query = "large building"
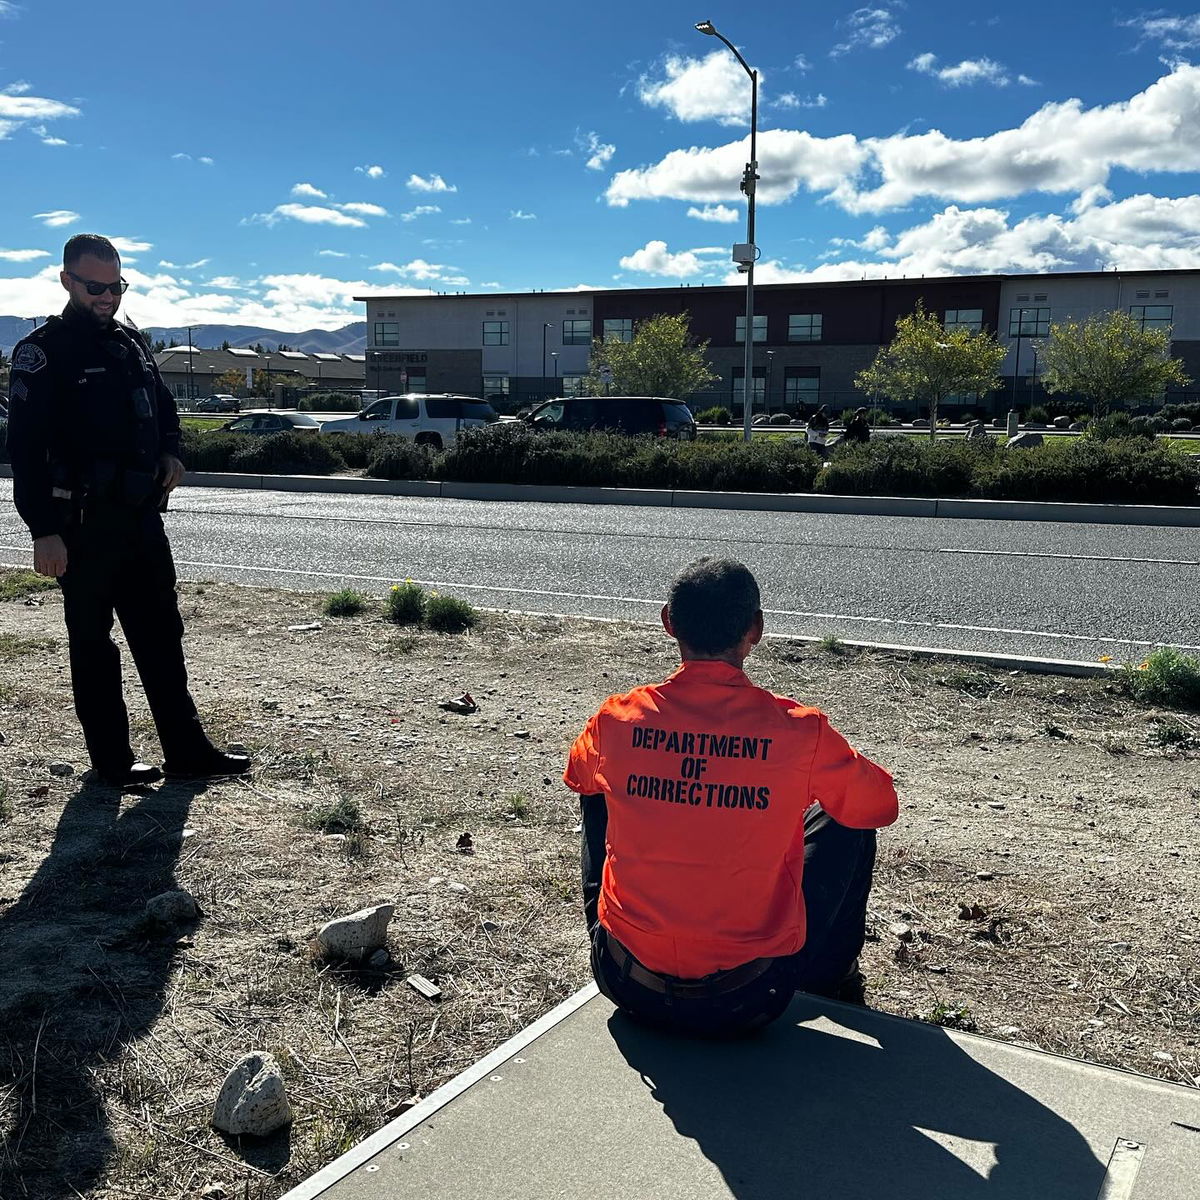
(190, 371)
(810, 338)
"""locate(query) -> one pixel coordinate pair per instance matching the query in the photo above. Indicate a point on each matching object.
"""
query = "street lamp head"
(707, 27)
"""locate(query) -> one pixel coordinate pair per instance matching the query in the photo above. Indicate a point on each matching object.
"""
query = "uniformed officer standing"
(94, 439)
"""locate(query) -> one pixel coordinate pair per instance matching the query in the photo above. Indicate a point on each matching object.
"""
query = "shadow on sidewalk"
(900, 1111)
(82, 977)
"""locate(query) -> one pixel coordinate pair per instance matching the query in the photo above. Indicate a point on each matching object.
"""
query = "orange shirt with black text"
(707, 778)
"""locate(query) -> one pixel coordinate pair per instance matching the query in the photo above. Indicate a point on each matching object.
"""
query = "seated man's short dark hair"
(88, 243)
(712, 604)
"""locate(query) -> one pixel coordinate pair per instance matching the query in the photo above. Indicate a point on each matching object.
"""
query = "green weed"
(16, 585)
(405, 604)
(449, 614)
(346, 603)
(1164, 676)
(343, 815)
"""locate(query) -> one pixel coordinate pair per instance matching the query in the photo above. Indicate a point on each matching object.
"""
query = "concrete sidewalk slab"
(832, 1101)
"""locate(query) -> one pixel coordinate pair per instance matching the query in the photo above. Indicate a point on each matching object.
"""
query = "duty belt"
(716, 984)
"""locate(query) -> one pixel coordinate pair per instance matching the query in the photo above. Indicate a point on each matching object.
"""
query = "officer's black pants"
(838, 868)
(119, 561)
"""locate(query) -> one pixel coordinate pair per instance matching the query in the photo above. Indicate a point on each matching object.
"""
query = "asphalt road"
(1044, 589)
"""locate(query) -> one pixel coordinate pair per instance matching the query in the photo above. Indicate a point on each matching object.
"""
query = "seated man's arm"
(852, 789)
(581, 776)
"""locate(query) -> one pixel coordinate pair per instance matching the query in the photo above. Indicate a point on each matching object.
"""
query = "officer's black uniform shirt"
(73, 407)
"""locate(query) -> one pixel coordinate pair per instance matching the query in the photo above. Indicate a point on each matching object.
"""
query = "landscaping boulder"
(358, 935)
(253, 1099)
(1062, 422)
(1078, 426)
(1024, 440)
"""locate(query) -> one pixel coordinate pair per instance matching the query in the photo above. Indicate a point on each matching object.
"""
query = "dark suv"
(656, 415)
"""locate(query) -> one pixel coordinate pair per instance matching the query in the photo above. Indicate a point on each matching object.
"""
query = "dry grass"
(1083, 939)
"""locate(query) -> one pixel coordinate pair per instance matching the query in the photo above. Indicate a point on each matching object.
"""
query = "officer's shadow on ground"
(83, 975)
(894, 1109)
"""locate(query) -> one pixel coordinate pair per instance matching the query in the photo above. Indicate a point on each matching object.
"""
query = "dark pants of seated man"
(838, 863)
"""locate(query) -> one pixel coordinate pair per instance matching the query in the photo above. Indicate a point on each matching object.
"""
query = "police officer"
(94, 441)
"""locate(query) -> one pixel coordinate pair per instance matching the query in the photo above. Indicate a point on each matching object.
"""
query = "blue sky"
(264, 163)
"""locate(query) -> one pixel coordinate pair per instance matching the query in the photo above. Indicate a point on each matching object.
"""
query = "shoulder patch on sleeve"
(19, 390)
(29, 358)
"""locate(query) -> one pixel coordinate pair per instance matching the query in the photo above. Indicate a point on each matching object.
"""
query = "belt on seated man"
(716, 984)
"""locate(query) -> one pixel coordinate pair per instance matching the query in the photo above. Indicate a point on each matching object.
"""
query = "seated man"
(728, 833)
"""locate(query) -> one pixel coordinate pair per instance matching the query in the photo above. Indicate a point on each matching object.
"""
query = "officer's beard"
(89, 314)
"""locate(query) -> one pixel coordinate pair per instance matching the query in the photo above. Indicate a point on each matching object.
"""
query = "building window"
(416, 383)
(801, 391)
(571, 384)
(760, 329)
(739, 389)
(577, 333)
(1153, 316)
(804, 327)
(618, 329)
(387, 333)
(970, 319)
(495, 387)
(495, 333)
(1028, 322)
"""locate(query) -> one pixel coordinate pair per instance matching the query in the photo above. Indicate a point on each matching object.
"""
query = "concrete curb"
(878, 506)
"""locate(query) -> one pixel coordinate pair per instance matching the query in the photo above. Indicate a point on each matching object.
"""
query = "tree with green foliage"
(157, 346)
(1110, 360)
(228, 382)
(926, 362)
(660, 360)
(225, 344)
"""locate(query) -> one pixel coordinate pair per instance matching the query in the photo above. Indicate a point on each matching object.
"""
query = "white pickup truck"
(426, 420)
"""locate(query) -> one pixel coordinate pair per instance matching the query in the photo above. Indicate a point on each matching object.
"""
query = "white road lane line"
(775, 612)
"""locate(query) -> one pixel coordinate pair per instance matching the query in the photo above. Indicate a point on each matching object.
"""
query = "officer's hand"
(171, 471)
(50, 556)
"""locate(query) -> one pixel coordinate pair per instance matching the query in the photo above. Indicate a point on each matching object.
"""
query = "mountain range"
(350, 339)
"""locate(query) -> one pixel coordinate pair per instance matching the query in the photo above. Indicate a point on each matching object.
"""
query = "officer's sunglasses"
(98, 289)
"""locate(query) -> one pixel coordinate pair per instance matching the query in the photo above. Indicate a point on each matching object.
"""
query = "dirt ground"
(1042, 884)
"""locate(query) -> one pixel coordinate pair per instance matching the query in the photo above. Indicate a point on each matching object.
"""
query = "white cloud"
(361, 209)
(226, 281)
(307, 190)
(420, 269)
(308, 214)
(1060, 148)
(713, 88)
(23, 255)
(435, 183)
(801, 63)
(422, 210)
(655, 259)
(719, 213)
(518, 214)
(22, 108)
(57, 217)
(204, 158)
(371, 172)
(1140, 233)
(599, 152)
(461, 221)
(19, 86)
(870, 28)
(126, 245)
(1174, 33)
(332, 254)
(493, 283)
(970, 70)
(791, 100)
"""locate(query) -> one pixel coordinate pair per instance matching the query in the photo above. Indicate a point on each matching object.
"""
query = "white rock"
(253, 1098)
(457, 887)
(171, 907)
(357, 935)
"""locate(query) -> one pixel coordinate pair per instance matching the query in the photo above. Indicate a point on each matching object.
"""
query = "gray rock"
(379, 961)
(1063, 422)
(253, 1099)
(1078, 426)
(1024, 440)
(358, 935)
(61, 768)
(171, 907)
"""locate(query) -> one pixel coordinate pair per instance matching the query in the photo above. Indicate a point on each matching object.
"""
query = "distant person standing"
(817, 433)
(94, 441)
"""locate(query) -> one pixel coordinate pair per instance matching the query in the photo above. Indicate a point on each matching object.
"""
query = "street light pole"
(544, 328)
(191, 387)
(749, 179)
(554, 355)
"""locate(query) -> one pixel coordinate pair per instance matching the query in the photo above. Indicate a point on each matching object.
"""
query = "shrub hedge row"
(1133, 470)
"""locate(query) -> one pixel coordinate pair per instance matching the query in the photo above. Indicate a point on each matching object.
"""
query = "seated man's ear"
(666, 621)
(756, 628)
